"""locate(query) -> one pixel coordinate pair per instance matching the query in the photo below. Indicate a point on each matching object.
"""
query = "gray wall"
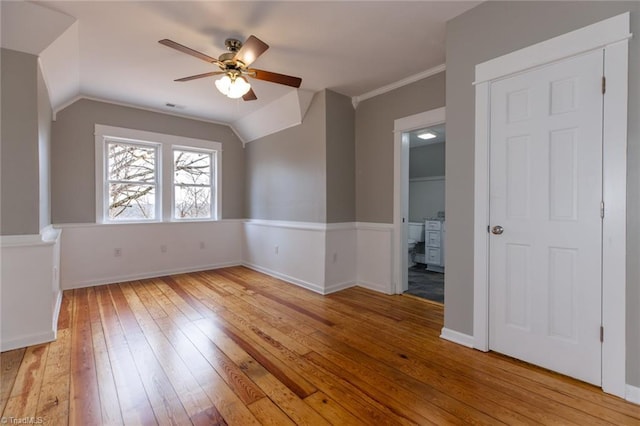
(426, 198)
(44, 151)
(341, 172)
(487, 31)
(286, 171)
(73, 155)
(427, 161)
(19, 188)
(374, 143)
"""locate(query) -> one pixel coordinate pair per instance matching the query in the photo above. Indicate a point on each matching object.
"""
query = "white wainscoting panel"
(321, 257)
(341, 257)
(291, 251)
(374, 256)
(30, 288)
(89, 251)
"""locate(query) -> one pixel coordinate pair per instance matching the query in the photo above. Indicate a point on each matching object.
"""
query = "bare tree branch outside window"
(192, 184)
(132, 181)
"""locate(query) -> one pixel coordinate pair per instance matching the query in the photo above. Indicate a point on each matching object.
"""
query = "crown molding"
(405, 81)
(135, 106)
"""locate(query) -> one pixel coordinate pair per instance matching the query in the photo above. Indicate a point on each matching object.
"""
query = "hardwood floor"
(233, 346)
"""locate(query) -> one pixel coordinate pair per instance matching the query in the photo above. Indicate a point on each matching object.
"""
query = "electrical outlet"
(163, 248)
(117, 252)
(202, 245)
(276, 249)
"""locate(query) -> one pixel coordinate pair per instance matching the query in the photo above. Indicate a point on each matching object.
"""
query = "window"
(192, 187)
(151, 177)
(131, 181)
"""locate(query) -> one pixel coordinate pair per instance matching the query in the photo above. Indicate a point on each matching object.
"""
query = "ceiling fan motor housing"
(227, 58)
(232, 44)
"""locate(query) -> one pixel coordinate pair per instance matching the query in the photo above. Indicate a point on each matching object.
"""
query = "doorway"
(426, 217)
(404, 128)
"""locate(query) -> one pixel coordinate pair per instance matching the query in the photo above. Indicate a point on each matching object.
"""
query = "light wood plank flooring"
(234, 346)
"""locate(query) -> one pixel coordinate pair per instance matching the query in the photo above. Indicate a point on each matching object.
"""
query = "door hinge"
(602, 209)
(604, 84)
(488, 229)
(601, 334)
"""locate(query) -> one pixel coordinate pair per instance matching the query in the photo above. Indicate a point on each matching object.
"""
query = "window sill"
(127, 224)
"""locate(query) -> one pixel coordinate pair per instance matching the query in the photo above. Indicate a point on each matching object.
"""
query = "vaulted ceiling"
(109, 50)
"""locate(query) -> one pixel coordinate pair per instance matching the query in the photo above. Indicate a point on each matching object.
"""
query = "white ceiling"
(111, 51)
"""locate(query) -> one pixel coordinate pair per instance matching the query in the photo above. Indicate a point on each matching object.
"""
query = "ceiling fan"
(234, 67)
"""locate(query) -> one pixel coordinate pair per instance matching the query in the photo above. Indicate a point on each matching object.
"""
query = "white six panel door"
(545, 191)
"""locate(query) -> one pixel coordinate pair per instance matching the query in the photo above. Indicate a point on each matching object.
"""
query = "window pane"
(192, 202)
(133, 163)
(131, 202)
(192, 168)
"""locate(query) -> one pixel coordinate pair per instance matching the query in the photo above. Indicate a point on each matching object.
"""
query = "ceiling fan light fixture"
(238, 88)
(233, 87)
(223, 84)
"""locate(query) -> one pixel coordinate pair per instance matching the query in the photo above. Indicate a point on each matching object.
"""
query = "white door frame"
(400, 189)
(611, 35)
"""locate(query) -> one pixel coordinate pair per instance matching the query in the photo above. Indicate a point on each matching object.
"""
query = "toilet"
(416, 235)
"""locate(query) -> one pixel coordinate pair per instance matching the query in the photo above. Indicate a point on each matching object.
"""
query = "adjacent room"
(371, 212)
(427, 225)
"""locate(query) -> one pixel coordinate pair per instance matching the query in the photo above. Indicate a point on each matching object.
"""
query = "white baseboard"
(457, 337)
(339, 286)
(142, 276)
(380, 288)
(301, 283)
(633, 394)
(305, 284)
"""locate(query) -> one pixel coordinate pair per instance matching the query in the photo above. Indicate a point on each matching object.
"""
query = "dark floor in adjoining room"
(426, 284)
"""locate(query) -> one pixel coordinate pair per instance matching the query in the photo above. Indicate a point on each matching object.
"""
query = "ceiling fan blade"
(250, 50)
(250, 96)
(275, 77)
(184, 49)
(194, 77)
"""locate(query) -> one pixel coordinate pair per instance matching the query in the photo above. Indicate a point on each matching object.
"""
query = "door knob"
(497, 230)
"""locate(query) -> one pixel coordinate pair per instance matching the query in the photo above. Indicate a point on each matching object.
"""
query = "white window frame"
(166, 144)
(212, 182)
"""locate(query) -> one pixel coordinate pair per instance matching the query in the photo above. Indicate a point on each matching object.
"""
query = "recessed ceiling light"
(426, 135)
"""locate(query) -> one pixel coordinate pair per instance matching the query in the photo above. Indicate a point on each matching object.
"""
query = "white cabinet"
(434, 245)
